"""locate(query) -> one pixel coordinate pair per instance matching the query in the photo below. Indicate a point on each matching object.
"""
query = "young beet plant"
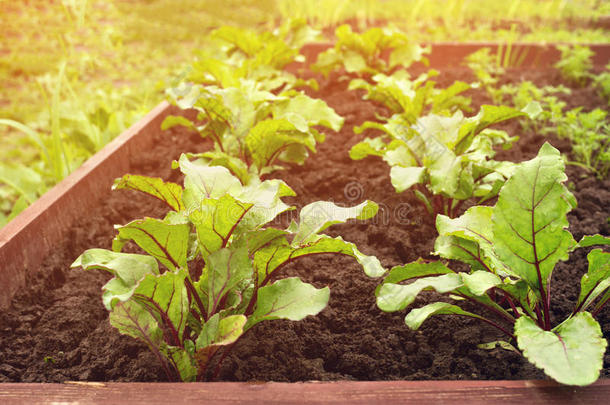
(253, 129)
(210, 268)
(512, 249)
(363, 54)
(446, 159)
(261, 57)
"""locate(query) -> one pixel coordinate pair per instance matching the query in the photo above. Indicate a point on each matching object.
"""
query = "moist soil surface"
(57, 328)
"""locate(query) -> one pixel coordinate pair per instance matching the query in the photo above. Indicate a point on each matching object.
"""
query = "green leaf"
(132, 319)
(529, 219)
(169, 193)
(176, 120)
(597, 279)
(416, 269)
(501, 343)
(289, 298)
(318, 216)
(276, 253)
(215, 221)
(201, 182)
(165, 297)
(166, 243)
(404, 177)
(127, 268)
(417, 316)
(572, 353)
(268, 139)
(183, 361)
(468, 238)
(592, 240)
(368, 147)
(221, 332)
(226, 269)
(311, 111)
(235, 165)
(479, 282)
(396, 297)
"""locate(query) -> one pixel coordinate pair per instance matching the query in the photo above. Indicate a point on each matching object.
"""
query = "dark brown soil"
(57, 328)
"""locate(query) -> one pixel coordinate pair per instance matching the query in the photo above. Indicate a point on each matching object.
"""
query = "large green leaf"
(289, 298)
(529, 220)
(127, 268)
(165, 242)
(572, 353)
(169, 193)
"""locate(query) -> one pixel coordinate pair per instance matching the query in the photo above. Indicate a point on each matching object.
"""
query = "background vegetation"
(76, 73)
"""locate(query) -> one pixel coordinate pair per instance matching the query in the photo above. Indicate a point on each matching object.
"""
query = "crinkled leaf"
(529, 219)
(572, 353)
(289, 298)
(165, 242)
(417, 316)
(169, 193)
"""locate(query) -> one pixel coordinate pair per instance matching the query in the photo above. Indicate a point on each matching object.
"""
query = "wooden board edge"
(340, 392)
(30, 236)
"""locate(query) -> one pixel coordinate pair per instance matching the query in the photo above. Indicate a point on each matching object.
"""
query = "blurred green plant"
(575, 63)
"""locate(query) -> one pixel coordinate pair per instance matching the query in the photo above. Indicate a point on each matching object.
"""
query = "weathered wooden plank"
(26, 240)
(365, 392)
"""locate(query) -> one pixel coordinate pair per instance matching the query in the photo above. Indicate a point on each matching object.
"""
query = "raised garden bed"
(56, 327)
